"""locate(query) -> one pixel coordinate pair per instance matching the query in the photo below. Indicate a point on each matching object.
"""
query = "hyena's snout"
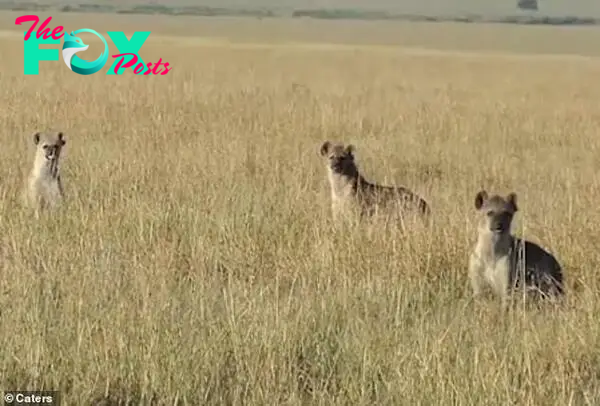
(51, 152)
(500, 223)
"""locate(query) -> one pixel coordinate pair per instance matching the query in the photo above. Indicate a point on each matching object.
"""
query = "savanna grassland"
(194, 262)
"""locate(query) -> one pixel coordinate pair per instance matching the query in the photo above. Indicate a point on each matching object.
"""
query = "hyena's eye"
(45, 146)
(490, 213)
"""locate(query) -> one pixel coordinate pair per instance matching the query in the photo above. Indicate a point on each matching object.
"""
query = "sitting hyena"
(503, 262)
(351, 191)
(44, 187)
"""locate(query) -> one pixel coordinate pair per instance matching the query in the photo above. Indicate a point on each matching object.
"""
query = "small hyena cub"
(44, 188)
(350, 190)
(503, 262)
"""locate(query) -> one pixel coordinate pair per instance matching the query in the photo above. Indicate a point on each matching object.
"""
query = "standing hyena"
(503, 262)
(44, 188)
(351, 191)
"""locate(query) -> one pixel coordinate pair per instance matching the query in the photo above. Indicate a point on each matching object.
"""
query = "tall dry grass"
(194, 262)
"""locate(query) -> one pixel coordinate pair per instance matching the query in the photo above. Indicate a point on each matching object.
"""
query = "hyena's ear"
(512, 200)
(36, 138)
(350, 149)
(325, 148)
(61, 138)
(480, 199)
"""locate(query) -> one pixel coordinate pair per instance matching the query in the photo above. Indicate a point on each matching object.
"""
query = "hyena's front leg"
(476, 276)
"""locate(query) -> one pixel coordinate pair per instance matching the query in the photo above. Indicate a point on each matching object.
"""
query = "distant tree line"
(528, 5)
(327, 14)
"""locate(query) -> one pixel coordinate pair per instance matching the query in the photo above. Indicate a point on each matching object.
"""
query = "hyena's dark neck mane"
(54, 173)
(360, 182)
(356, 179)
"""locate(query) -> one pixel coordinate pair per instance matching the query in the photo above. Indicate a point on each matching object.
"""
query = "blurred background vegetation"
(554, 12)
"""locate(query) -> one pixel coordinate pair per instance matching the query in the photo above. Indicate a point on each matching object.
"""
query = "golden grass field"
(194, 262)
